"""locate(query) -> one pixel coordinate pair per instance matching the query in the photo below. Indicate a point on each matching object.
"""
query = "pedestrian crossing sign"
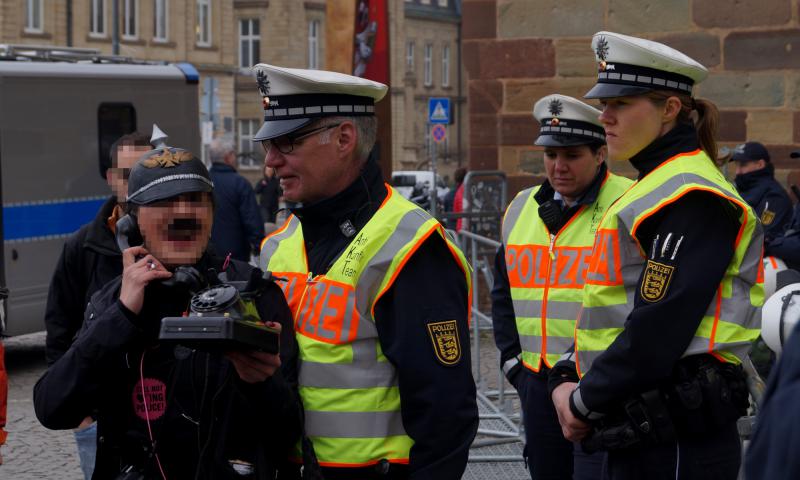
(439, 110)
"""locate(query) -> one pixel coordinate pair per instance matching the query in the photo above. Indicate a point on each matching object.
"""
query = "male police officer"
(548, 232)
(164, 411)
(755, 181)
(379, 293)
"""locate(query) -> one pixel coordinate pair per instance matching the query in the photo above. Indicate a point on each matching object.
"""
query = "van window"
(113, 121)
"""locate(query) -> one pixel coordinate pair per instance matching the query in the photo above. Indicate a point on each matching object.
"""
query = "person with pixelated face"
(176, 230)
(90, 259)
(142, 392)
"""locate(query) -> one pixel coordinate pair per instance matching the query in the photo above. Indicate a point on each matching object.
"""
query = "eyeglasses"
(285, 143)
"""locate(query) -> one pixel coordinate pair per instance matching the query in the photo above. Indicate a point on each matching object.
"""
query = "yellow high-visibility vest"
(348, 387)
(732, 320)
(546, 271)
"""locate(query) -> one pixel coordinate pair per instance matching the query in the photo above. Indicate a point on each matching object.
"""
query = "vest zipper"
(552, 256)
(311, 279)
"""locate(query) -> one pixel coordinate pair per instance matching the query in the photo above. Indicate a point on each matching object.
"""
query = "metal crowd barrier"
(500, 424)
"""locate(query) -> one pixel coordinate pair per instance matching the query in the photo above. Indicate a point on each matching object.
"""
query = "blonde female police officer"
(548, 232)
(672, 295)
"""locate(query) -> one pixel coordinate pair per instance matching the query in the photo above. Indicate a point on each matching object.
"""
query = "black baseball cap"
(165, 173)
(750, 152)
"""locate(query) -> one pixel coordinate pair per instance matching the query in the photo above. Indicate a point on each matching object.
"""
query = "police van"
(60, 111)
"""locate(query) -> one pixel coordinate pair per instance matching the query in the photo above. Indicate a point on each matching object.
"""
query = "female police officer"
(548, 233)
(672, 292)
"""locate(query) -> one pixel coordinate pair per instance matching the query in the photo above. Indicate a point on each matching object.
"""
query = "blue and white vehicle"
(57, 122)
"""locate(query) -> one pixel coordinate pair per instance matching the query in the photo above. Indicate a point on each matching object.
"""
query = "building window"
(428, 65)
(446, 66)
(410, 56)
(130, 19)
(203, 26)
(34, 16)
(97, 20)
(160, 20)
(249, 42)
(313, 44)
(250, 153)
(443, 3)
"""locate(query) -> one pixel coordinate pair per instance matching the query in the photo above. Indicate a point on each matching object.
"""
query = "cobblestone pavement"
(33, 452)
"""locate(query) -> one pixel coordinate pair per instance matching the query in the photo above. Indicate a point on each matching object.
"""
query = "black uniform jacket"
(787, 246)
(90, 259)
(768, 198)
(656, 334)
(200, 414)
(438, 403)
(505, 327)
(772, 453)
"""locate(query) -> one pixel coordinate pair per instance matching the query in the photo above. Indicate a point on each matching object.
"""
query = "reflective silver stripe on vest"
(369, 283)
(607, 316)
(555, 345)
(702, 345)
(354, 424)
(271, 245)
(514, 211)
(349, 375)
(555, 309)
(366, 371)
(665, 190)
(751, 263)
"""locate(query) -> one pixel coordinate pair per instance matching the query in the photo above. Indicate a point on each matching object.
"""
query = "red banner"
(371, 49)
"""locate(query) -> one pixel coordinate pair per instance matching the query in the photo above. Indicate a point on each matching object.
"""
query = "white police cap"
(565, 121)
(293, 97)
(633, 66)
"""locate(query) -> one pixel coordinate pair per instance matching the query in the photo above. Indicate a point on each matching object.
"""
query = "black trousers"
(715, 456)
(549, 455)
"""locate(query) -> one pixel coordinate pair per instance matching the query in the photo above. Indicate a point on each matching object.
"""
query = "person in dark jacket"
(787, 246)
(755, 181)
(89, 260)
(672, 296)
(167, 411)
(385, 380)
(772, 452)
(450, 198)
(269, 191)
(238, 226)
(561, 216)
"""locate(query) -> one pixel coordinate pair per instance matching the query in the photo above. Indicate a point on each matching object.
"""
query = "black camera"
(223, 317)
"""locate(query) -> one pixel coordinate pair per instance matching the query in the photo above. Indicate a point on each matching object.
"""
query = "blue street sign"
(439, 110)
(439, 133)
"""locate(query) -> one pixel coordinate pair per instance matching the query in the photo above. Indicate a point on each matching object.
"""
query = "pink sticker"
(149, 398)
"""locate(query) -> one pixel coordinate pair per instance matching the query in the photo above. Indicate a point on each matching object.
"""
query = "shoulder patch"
(446, 344)
(656, 281)
(767, 217)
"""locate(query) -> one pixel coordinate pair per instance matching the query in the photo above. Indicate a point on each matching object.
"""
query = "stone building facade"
(221, 38)
(516, 51)
(425, 58)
